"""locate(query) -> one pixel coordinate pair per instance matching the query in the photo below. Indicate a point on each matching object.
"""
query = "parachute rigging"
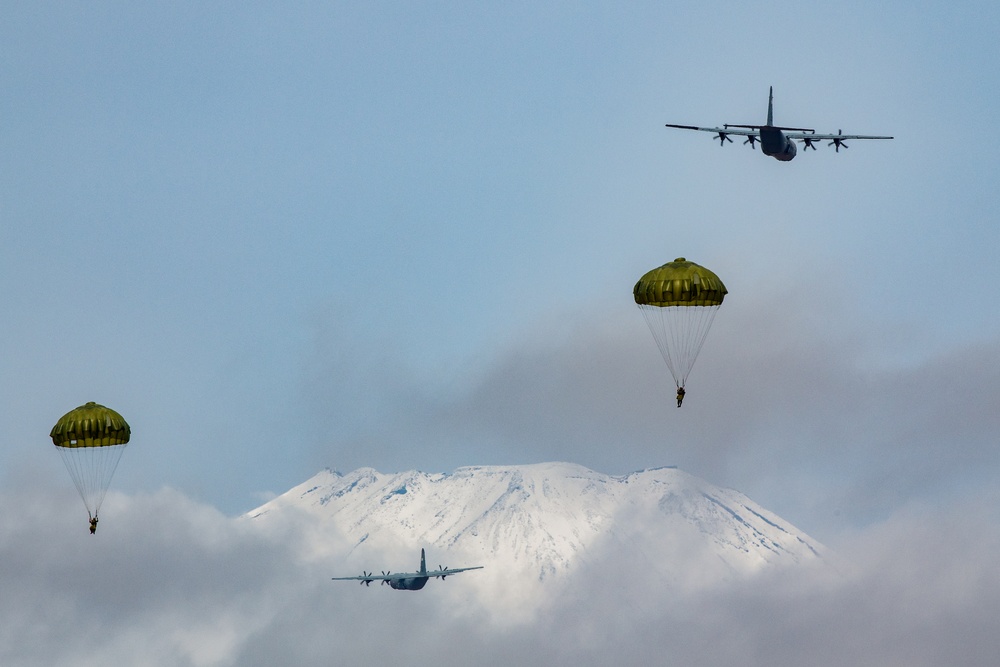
(679, 301)
(91, 440)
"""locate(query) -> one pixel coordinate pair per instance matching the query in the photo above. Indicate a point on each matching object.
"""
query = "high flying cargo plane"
(777, 141)
(408, 581)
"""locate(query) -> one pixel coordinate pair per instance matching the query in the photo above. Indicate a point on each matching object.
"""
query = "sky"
(405, 235)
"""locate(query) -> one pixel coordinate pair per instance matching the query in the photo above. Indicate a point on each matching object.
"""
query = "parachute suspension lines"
(92, 469)
(679, 331)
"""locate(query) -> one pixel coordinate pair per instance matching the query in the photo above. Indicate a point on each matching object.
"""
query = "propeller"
(723, 138)
(442, 569)
(751, 139)
(366, 582)
(809, 142)
(385, 574)
(837, 143)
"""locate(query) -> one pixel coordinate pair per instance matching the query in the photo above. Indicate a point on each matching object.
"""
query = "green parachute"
(679, 301)
(91, 440)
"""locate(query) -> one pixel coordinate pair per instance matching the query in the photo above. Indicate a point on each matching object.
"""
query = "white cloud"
(168, 581)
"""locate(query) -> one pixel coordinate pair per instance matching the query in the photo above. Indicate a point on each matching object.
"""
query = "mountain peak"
(549, 519)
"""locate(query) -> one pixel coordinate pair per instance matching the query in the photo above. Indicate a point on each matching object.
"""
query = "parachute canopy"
(90, 425)
(679, 283)
(91, 440)
(679, 301)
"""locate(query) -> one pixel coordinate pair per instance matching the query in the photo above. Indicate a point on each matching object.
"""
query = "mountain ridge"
(551, 520)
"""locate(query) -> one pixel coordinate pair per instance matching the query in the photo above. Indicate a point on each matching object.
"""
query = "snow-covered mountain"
(545, 521)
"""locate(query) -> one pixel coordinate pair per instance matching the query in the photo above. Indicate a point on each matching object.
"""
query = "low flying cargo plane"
(777, 141)
(408, 581)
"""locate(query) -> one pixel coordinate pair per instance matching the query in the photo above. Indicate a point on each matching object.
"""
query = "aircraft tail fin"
(770, 106)
(423, 563)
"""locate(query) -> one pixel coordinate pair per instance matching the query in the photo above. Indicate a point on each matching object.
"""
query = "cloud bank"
(168, 582)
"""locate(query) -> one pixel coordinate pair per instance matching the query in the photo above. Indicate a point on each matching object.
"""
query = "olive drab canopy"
(91, 440)
(679, 301)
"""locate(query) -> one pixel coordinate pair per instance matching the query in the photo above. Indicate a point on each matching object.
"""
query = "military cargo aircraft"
(408, 581)
(777, 141)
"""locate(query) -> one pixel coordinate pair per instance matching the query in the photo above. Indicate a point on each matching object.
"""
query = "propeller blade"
(837, 143)
(752, 140)
(723, 138)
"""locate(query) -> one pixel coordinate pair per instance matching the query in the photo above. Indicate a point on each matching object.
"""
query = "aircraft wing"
(717, 130)
(445, 571)
(829, 137)
(385, 576)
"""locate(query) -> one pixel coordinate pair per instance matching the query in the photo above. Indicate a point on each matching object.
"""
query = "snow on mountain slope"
(545, 521)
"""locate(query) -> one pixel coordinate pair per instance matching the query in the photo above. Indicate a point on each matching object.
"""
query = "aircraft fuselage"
(408, 584)
(773, 142)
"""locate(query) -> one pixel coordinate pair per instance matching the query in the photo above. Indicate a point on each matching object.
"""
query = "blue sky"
(404, 235)
(277, 240)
